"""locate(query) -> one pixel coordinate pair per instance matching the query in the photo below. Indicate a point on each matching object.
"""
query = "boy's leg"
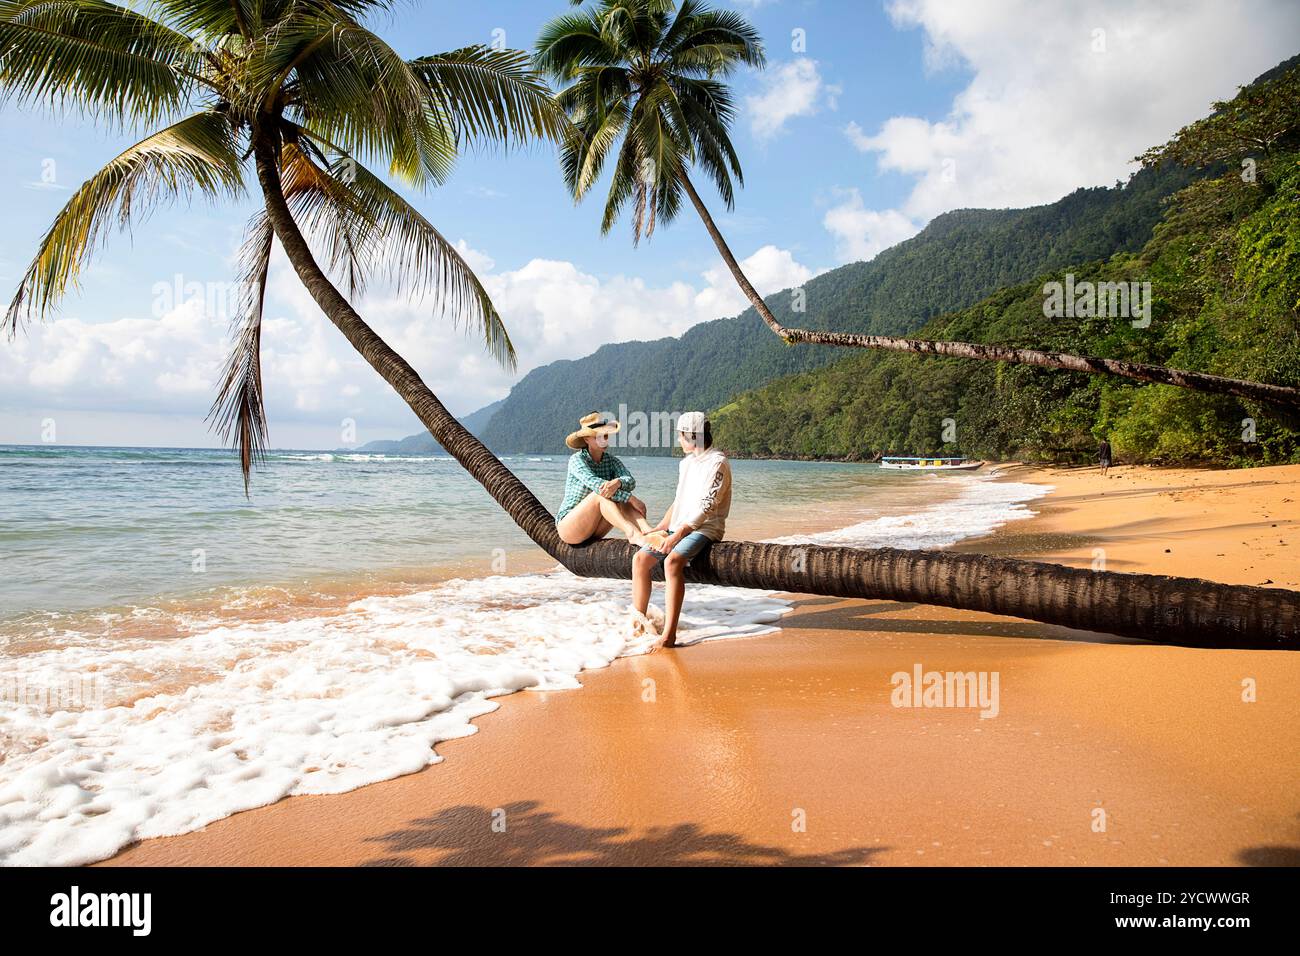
(675, 582)
(674, 592)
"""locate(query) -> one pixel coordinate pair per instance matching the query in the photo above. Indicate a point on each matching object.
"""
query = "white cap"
(692, 423)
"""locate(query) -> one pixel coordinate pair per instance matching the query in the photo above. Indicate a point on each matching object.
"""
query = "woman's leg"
(643, 563)
(639, 507)
(584, 522)
(593, 516)
(624, 517)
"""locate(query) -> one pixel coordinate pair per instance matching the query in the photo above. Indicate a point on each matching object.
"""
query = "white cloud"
(1060, 97)
(861, 233)
(554, 310)
(789, 90)
(132, 361)
(313, 380)
(769, 269)
(480, 262)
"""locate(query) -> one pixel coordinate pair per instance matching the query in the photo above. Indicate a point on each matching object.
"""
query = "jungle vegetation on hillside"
(1224, 272)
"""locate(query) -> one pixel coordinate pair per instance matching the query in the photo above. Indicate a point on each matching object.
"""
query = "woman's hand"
(608, 488)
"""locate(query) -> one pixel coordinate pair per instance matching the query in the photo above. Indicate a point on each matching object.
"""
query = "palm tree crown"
(650, 75)
(210, 81)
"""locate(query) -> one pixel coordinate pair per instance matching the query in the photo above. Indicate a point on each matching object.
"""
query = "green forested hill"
(957, 259)
(1224, 268)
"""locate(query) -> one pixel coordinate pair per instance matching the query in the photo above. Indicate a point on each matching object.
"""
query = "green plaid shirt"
(586, 476)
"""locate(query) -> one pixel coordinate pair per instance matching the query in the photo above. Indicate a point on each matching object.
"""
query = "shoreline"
(328, 592)
(744, 736)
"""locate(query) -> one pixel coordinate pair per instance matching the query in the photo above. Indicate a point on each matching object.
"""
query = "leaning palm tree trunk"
(1167, 610)
(1197, 381)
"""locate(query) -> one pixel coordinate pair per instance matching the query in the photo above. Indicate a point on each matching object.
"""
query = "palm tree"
(645, 82)
(304, 89)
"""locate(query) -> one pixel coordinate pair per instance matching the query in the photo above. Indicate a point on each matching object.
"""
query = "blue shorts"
(690, 546)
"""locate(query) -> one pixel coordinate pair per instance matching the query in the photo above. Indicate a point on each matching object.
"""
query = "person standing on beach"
(696, 518)
(1103, 456)
(598, 488)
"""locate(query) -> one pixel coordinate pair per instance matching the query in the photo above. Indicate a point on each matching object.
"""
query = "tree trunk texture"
(1167, 610)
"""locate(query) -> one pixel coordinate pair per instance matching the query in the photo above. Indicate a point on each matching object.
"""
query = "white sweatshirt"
(703, 496)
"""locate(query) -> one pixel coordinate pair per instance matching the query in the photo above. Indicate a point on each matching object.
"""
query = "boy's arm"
(671, 541)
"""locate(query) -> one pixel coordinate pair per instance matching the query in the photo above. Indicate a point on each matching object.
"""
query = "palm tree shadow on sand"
(868, 619)
(1270, 856)
(465, 836)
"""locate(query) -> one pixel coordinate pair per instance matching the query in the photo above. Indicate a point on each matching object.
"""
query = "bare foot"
(655, 540)
(642, 626)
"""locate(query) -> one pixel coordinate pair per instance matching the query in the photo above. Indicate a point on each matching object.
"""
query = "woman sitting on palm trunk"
(598, 489)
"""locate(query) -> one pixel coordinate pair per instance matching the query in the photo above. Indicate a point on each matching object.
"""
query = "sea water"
(172, 652)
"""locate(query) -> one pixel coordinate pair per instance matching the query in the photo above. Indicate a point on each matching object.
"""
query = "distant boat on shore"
(951, 463)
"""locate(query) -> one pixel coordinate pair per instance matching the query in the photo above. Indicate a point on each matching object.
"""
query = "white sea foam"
(249, 714)
(981, 506)
(232, 716)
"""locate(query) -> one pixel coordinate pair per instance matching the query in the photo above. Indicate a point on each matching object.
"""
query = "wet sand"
(786, 749)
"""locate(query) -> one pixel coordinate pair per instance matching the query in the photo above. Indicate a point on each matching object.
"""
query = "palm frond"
(718, 38)
(214, 19)
(349, 85)
(492, 94)
(658, 128)
(365, 226)
(682, 23)
(197, 154)
(708, 111)
(239, 412)
(96, 57)
(622, 185)
(572, 41)
(327, 210)
(636, 24)
(599, 127)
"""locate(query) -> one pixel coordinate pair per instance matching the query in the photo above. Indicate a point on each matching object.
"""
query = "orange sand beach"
(787, 749)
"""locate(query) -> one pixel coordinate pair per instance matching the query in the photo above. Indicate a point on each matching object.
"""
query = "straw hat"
(593, 424)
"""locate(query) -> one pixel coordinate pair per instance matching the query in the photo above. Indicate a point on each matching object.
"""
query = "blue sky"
(889, 115)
